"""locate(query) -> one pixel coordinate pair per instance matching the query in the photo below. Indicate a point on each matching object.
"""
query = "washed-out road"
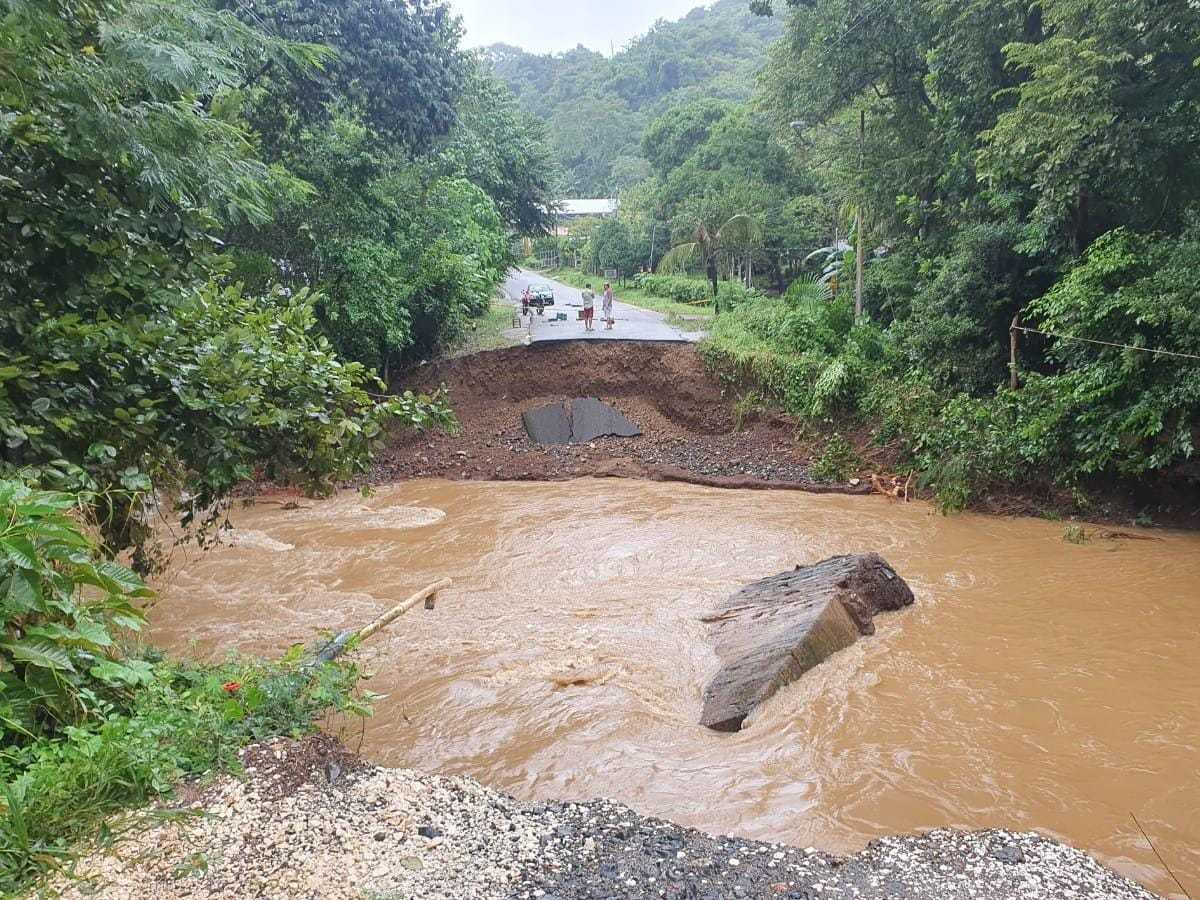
(632, 322)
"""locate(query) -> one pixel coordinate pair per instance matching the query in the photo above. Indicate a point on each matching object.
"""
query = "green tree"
(503, 150)
(397, 64)
(1116, 409)
(126, 366)
(1105, 105)
(613, 246)
(673, 137)
(711, 229)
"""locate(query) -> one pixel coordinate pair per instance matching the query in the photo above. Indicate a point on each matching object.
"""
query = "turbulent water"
(1037, 684)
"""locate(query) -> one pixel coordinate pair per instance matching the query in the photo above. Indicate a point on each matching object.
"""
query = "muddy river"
(1036, 684)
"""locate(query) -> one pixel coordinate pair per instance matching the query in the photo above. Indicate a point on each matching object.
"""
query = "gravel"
(306, 824)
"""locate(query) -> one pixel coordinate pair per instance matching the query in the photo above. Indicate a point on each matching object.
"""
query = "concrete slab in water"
(773, 631)
(576, 422)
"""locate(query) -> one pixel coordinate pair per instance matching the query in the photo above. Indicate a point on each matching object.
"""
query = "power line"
(1068, 337)
(857, 24)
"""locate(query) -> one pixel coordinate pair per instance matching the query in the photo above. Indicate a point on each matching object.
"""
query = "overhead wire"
(857, 24)
(1069, 337)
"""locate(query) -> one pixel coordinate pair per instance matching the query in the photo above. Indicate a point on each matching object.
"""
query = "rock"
(773, 631)
(1008, 853)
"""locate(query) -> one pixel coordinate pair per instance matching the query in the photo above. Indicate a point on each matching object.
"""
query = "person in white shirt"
(589, 307)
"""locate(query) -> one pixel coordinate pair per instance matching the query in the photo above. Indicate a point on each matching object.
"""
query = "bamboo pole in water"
(337, 646)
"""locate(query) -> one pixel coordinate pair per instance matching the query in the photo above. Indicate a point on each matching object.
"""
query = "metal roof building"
(582, 209)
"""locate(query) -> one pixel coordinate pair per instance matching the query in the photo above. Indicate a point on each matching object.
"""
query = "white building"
(575, 209)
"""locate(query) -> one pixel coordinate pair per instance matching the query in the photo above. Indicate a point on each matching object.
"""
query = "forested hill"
(597, 107)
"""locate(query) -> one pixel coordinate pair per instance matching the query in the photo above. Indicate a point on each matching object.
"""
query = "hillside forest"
(1013, 173)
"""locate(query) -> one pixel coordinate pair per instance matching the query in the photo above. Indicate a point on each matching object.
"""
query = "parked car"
(541, 295)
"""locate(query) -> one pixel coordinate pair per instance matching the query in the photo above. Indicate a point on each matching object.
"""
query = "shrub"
(1124, 411)
(187, 720)
(87, 727)
(809, 357)
(192, 394)
(807, 289)
(61, 611)
(1101, 407)
(675, 287)
(837, 463)
(957, 321)
(731, 294)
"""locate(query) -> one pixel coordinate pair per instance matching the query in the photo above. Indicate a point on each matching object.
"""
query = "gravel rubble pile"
(630, 856)
(305, 824)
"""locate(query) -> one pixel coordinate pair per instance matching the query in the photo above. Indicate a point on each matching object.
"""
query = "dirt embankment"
(690, 427)
(692, 431)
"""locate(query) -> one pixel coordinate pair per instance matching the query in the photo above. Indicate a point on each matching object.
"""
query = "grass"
(679, 315)
(491, 331)
(56, 792)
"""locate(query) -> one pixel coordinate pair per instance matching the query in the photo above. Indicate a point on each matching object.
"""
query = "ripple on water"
(257, 540)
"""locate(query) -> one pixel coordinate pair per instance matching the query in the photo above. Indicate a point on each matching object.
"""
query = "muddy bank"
(690, 428)
(310, 821)
(694, 431)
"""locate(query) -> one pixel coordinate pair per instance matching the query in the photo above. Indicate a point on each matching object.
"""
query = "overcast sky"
(548, 26)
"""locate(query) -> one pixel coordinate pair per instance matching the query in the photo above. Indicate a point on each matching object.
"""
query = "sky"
(550, 26)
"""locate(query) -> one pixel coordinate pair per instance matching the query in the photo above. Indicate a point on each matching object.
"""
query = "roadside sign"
(610, 274)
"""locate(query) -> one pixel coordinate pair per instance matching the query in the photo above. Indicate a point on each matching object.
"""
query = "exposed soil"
(690, 431)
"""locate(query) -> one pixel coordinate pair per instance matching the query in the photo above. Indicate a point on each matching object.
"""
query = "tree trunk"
(777, 275)
(1079, 222)
(860, 262)
(711, 271)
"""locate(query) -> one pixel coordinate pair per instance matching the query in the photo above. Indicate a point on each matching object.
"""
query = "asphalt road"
(632, 322)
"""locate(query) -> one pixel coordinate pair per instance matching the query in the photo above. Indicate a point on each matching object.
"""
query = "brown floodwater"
(1036, 684)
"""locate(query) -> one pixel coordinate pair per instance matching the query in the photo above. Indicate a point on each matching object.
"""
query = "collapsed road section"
(576, 422)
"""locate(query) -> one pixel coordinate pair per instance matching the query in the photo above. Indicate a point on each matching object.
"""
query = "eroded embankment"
(690, 427)
(310, 821)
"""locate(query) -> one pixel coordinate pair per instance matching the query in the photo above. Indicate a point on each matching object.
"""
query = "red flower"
(231, 687)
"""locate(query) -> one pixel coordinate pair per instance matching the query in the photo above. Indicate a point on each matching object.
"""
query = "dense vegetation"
(215, 232)
(597, 107)
(220, 224)
(1014, 161)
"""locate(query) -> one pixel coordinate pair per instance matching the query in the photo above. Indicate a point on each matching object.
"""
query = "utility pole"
(1013, 348)
(858, 216)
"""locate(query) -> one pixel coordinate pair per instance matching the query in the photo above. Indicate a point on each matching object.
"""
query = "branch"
(337, 646)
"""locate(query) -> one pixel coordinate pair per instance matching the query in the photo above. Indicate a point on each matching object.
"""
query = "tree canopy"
(218, 221)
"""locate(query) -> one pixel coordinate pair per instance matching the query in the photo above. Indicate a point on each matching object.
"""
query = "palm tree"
(708, 239)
